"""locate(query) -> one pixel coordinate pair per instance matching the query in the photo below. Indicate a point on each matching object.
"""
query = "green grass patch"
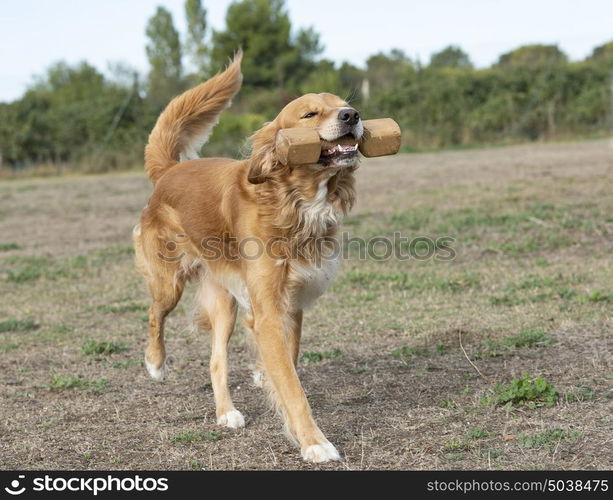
(523, 391)
(440, 349)
(415, 281)
(475, 433)
(455, 457)
(537, 242)
(467, 442)
(549, 438)
(93, 347)
(535, 289)
(529, 229)
(27, 268)
(111, 254)
(5, 247)
(457, 445)
(128, 363)
(187, 436)
(489, 453)
(462, 220)
(23, 269)
(367, 279)
(581, 393)
(406, 352)
(315, 356)
(212, 436)
(460, 283)
(515, 299)
(17, 325)
(529, 338)
(63, 382)
(597, 296)
(409, 352)
(122, 308)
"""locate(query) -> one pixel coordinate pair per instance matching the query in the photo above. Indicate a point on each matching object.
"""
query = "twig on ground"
(466, 355)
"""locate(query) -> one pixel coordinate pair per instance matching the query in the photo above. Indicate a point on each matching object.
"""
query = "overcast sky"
(36, 33)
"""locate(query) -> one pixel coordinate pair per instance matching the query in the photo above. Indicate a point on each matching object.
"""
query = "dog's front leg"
(271, 319)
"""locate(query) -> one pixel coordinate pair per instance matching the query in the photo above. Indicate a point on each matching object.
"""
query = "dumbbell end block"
(381, 137)
(298, 146)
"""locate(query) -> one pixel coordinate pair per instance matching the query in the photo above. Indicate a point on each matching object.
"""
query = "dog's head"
(338, 124)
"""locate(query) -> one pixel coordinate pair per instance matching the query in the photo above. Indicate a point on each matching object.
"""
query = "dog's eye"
(310, 114)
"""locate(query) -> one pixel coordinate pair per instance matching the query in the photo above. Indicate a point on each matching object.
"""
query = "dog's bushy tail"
(186, 123)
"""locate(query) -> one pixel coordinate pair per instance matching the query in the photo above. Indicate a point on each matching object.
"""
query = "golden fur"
(230, 201)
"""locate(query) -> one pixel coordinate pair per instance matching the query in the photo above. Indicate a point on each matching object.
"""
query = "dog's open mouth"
(342, 150)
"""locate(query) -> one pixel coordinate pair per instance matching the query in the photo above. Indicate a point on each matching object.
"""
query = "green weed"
(5, 247)
(315, 356)
(62, 382)
(122, 308)
(91, 347)
(549, 438)
(474, 433)
(16, 325)
(408, 352)
(526, 391)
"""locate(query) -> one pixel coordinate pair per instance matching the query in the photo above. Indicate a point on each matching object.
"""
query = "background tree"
(262, 29)
(603, 54)
(73, 114)
(450, 57)
(324, 78)
(384, 69)
(195, 44)
(164, 54)
(351, 80)
(299, 63)
(533, 56)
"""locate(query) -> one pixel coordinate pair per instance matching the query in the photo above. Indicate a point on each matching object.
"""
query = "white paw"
(156, 373)
(258, 378)
(233, 419)
(320, 453)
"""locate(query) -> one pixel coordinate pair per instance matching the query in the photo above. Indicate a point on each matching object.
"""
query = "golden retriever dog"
(253, 233)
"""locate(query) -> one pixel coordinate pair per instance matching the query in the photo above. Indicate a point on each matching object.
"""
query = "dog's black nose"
(349, 115)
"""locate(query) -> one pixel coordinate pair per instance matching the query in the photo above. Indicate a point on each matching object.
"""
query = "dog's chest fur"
(309, 278)
(318, 214)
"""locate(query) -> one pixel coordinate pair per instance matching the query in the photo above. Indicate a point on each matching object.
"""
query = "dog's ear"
(260, 167)
(263, 160)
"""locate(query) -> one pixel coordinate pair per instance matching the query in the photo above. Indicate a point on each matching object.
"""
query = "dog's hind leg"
(218, 312)
(166, 290)
(166, 282)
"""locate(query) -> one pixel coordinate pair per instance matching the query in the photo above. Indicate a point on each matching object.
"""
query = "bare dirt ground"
(385, 352)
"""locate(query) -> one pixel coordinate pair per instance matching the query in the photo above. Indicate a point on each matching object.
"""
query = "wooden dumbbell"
(302, 146)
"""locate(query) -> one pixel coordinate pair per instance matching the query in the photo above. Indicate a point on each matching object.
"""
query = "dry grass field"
(497, 359)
